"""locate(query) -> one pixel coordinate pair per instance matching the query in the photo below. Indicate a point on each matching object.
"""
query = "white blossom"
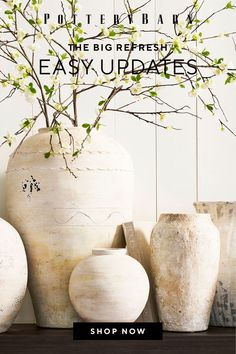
(136, 89)
(162, 116)
(105, 31)
(99, 81)
(20, 35)
(12, 3)
(178, 43)
(179, 79)
(34, 46)
(207, 84)
(39, 36)
(59, 107)
(65, 149)
(162, 41)
(15, 55)
(10, 139)
(52, 26)
(193, 93)
(75, 82)
(29, 96)
(117, 81)
(48, 38)
(79, 54)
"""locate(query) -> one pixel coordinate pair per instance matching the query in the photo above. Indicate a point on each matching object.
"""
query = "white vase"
(185, 252)
(224, 216)
(109, 286)
(62, 218)
(13, 274)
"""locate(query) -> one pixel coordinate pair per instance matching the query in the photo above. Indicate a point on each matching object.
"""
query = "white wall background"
(173, 168)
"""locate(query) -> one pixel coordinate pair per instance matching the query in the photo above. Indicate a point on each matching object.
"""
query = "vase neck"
(109, 252)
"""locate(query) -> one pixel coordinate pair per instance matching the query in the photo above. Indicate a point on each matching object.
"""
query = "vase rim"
(184, 216)
(44, 130)
(212, 203)
(109, 251)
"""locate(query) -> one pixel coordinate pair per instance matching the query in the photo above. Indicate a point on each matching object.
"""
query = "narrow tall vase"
(224, 216)
(185, 252)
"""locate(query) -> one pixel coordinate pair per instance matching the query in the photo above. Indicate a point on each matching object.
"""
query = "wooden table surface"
(28, 339)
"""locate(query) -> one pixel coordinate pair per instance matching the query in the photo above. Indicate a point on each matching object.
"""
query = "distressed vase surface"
(62, 218)
(13, 274)
(224, 216)
(185, 252)
(109, 286)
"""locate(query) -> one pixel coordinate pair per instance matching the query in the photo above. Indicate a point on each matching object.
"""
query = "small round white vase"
(13, 274)
(109, 286)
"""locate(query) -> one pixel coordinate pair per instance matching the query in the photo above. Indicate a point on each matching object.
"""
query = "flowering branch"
(196, 75)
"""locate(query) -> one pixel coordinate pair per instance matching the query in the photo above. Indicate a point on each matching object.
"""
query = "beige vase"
(185, 252)
(62, 218)
(13, 274)
(109, 286)
(224, 216)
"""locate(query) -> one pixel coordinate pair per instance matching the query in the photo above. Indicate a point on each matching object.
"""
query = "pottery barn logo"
(117, 331)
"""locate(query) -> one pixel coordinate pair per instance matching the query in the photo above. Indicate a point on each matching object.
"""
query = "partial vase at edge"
(223, 215)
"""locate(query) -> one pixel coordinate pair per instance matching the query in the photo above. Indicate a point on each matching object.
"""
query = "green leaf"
(230, 78)
(47, 154)
(112, 33)
(57, 128)
(78, 39)
(229, 6)
(205, 53)
(88, 128)
(49, 91)
(64, 56)
(210, 107)
(31, 88)
(136, 78)
(218, 61)
(86, 125)
(121, 27)
(153, 94)
(8, 12)
(28, 123)
(101, 103)
(98, 126)
(51, 52)
(76, 153)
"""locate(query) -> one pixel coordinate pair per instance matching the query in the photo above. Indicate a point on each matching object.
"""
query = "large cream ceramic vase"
(224, 216)
(185, 251)
(13, 274)
(62, 218)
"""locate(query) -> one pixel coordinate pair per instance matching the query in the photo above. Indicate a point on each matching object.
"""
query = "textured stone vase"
(13, 274)
(62, 218)
(223, 215)
(109, 286)
(185, 251)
